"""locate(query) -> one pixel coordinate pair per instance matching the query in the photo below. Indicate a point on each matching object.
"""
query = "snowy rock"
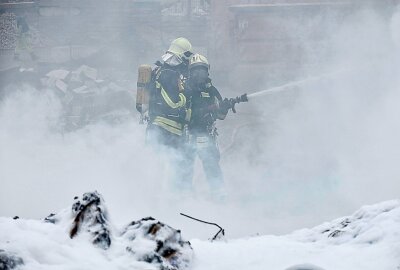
(9, 261)
(155, 242)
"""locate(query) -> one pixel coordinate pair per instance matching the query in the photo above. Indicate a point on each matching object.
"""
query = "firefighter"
(168, 114)
(206, 106)
(167, 104)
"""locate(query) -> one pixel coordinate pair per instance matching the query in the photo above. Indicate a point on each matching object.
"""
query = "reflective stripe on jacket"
(169, 103)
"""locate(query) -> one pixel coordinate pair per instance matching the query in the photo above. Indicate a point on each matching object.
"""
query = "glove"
(225, 105)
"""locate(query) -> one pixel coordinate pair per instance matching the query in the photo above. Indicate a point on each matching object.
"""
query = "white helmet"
(181, 47)
(198, 60)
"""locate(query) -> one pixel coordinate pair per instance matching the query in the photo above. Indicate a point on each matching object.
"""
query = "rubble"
(147, 240)
(55, 79)
(86, 98)
(155, 242)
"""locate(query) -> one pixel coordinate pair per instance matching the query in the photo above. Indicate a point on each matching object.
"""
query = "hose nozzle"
(238, 99)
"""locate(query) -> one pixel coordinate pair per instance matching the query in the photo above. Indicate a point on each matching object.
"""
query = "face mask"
(171, 59)
(199, 76)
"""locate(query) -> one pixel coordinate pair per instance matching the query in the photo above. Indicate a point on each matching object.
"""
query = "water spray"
(282, 88)
(287, 86)
(290, 85)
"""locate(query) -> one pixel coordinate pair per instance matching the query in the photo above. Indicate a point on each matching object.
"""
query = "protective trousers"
(171, 148)
(205, 147)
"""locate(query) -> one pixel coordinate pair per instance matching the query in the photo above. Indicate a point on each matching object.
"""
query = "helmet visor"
(171, 59)
(199, 75)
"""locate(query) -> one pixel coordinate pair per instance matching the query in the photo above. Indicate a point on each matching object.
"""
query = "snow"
(368, 239)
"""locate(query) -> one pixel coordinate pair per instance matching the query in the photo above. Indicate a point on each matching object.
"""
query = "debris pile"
(147, 240)
(8, 31)
(87, 98)
(87, 215)
(155, 242)
(90, 215)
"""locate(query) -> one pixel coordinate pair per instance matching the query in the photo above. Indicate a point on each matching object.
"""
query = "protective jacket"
(167, 105)
(206, 106)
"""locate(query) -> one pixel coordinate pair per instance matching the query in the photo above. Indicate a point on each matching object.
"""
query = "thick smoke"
(305, 156)
(328, 146)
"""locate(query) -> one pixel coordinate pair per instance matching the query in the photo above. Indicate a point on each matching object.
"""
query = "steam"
(329, 145)
(303, 156)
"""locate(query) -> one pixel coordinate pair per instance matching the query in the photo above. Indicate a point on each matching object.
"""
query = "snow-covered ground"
(367, 240)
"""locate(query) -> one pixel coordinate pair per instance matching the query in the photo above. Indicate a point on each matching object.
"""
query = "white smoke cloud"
(313, 154)
(330, 145)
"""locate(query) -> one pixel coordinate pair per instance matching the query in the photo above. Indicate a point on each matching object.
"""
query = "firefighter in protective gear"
(206, 106)
(167, 103)
(168, 114)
